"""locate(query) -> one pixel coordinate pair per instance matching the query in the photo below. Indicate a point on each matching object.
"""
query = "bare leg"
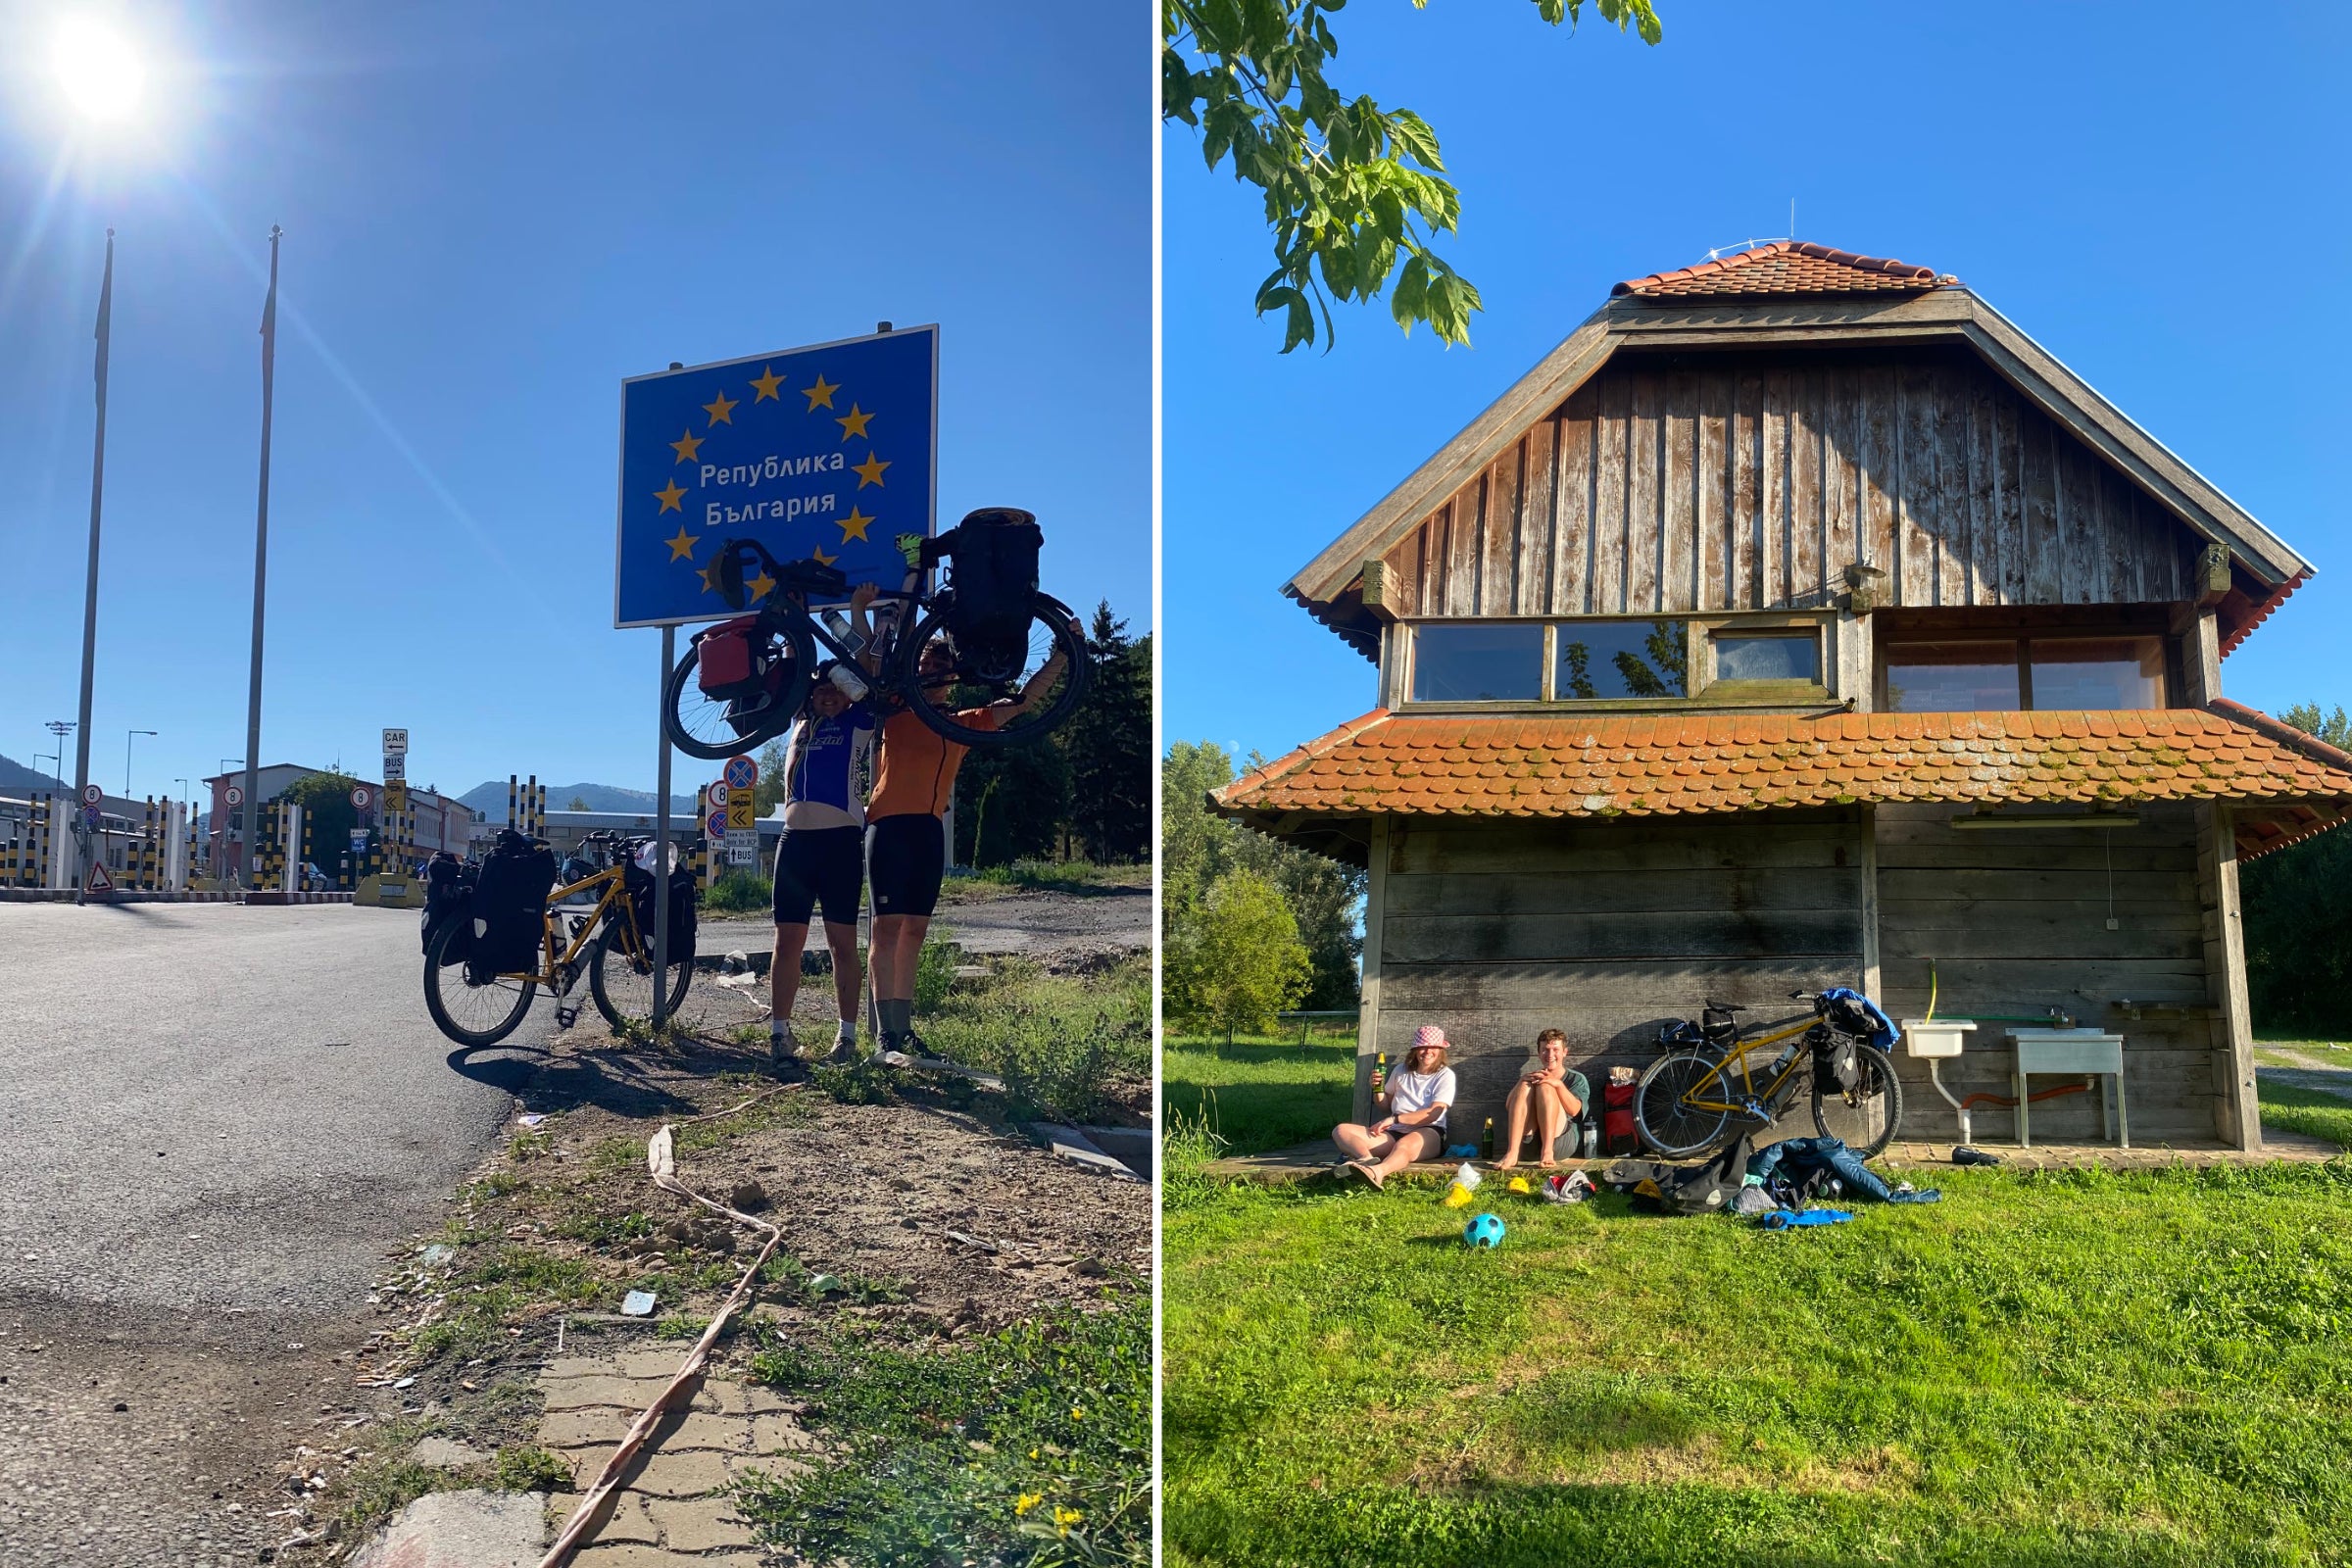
(1552, 1114)
(784, 969)
(1514, 1111)
(897, 942)
(849, 976)
(1355, 1140)
(1417, 1143)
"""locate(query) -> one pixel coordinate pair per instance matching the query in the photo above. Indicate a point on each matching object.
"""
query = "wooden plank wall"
(1495, 932)
(1753, 488)
(2016, 922)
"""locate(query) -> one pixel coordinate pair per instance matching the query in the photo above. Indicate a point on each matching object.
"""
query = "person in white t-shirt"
(1408, 1117)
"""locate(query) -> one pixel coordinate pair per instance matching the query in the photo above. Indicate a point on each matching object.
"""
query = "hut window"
(1955, 677)
(1618, 658)
(1768, 655)
(1478, 664)
(2096, 673)
(1997, 675)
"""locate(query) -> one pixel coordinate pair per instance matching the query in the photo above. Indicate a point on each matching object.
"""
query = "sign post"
(669, 647)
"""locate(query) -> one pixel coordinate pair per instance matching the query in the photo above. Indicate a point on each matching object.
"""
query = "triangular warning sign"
(99, 881)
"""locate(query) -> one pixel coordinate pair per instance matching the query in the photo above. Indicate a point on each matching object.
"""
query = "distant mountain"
(491, 798)
(15, 776)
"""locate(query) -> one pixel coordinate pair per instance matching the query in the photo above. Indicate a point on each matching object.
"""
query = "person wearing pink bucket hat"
(1408, 1117)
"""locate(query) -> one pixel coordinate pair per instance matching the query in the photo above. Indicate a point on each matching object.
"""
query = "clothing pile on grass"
(1791, 1183)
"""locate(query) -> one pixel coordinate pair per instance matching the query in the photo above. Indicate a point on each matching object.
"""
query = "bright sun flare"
(100, 74)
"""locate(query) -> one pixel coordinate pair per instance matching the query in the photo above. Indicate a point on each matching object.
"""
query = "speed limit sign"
(235, 794)
(361, 797)
(91, 795)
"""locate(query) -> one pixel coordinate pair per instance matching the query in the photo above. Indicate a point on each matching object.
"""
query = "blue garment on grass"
(1794, 1159)
(1783, 1220)
(1883, 1036)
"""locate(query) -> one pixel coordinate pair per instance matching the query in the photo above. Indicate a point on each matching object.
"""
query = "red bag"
(725, 667)
(1617, 1133)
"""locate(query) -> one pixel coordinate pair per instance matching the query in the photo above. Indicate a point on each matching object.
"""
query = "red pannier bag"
(1617, 1132)
(727, 667)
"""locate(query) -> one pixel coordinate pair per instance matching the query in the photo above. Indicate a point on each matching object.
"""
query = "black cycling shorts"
(818, 867)
(904, 858)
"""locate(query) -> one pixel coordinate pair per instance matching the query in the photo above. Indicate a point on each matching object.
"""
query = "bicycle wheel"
(703, 726)
(1865, 1118)
(624, 986)
(991, 675)
(1672, 1129)
(471, 1014)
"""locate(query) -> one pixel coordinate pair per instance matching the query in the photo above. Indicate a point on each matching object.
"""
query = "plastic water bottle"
(849, 683)
(843, 632)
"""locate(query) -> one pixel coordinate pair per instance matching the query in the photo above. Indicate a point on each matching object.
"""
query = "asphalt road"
(221, 1109)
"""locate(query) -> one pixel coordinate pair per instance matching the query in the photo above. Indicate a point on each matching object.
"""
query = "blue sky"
(493, 213)
(2155, 192)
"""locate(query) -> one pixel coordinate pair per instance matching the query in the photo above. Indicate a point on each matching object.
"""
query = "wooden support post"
(2237, 1113)
(1367, 1025)
(1871, 975)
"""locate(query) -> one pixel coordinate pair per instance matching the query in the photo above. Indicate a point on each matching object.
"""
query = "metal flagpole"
(669, 647)
(90, 603)
(260, 572)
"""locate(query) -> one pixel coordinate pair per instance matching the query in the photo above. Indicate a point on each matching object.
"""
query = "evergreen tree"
(1108, 743)
(2298, 922)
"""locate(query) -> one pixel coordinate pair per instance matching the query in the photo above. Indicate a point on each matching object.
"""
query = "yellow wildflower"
(1063, 1518)
(1026, 1502)
(1077, 1412)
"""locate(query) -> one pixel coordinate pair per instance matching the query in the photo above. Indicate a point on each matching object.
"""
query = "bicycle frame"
(615, 893)
(1738, 1052)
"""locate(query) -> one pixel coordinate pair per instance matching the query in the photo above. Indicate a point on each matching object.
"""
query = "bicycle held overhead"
(744, 681)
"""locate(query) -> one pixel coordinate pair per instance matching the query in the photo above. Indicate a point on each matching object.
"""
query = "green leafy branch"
(1354, 193)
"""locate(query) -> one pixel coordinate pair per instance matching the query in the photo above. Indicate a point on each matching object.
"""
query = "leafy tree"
(1354, 193)
(1010, 804)
(769, 793)
(2299, 921)
(325, 802)
(1199, 848)
(1239, 960)
(1108, 743)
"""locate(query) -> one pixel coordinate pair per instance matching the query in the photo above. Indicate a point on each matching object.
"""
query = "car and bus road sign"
(396, 743)
(844, 463)
(396, 768)
(742, 849)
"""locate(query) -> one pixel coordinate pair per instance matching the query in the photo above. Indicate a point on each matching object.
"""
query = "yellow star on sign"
(681, 547)
(766, 384)
(820, 396)
(854, 422)
(853, 525)
(870, 471)
(822, 558)
(721, 410)
(710, 574)
(686, 446)
(760, 586)
(669, 498)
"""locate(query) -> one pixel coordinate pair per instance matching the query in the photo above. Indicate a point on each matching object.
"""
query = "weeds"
(1026, 1446)
(739, 891)
(528, 1467)
(1059, 1043)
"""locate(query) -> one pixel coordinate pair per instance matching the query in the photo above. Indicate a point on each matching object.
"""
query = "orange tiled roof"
(1580, 766)
(1785, 267)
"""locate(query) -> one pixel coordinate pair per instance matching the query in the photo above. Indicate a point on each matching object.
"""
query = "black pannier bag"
(448, 897)
(510, 907)
(993, 575)
(683, 898)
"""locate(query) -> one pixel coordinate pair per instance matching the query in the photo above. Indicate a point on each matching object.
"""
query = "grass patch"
(374, 1492)
(1258, 1092)
(739, 891)
(528, 1467)
(1059, 877)
(2076, 1367)
(2313, 1112)
(484, 1296)
(1066, 1045)
(1027, 1447)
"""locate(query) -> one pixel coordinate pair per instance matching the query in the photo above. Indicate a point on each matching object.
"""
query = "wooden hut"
(1798, 621)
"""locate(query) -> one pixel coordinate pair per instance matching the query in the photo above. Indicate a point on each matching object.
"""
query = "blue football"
(1484, 1231)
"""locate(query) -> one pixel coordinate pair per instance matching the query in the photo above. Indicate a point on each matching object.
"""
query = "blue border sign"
(829, 451)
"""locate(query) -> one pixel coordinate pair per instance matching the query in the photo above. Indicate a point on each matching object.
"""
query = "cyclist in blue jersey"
(820, 861)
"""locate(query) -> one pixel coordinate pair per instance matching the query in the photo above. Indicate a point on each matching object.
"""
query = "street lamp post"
(127, 738)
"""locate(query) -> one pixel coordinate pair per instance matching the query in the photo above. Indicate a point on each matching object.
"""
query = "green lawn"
(1261, 1092)
(2076, 1368)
